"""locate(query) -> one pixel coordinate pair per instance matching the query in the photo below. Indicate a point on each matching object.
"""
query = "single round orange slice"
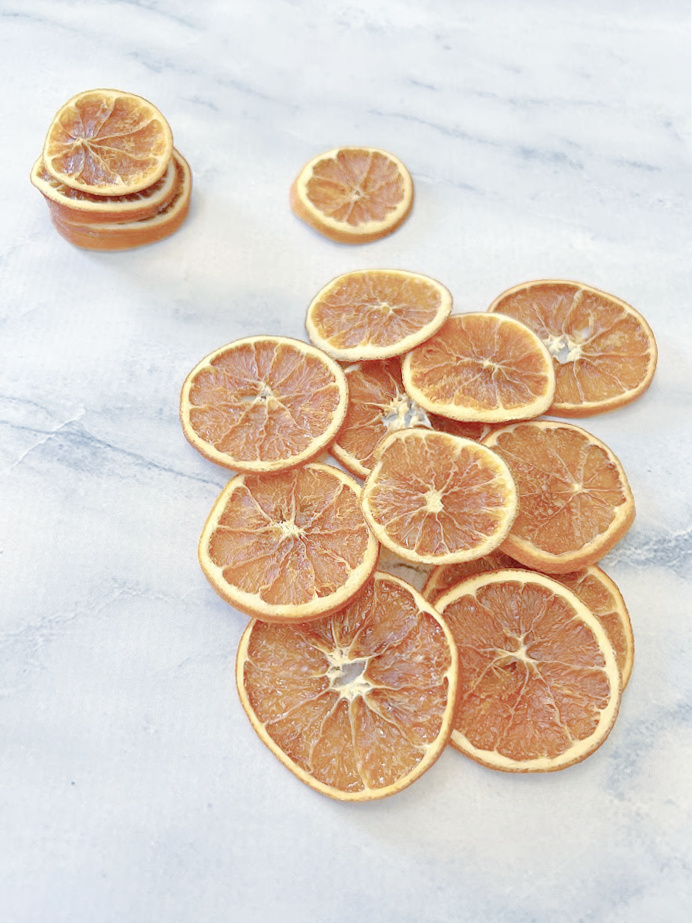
(484, 367)
(353, 194)
(539, 685)
(376, 313)
(603, 350)
(263, 403)
(575, 502)
(107, 142)
(288, 547)
(125, 235)
(83, 207)
(592, 585)
(436, 498)
(357, 705)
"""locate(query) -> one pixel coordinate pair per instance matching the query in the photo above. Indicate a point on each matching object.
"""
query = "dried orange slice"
(357, 705)
(263, 403)
(592, 585)
(376, 313)
(83, 207)
(484, 367)
(353, 194)
(107, 142)
(124, 235)
(603, 350)
(436, 498)
(288, 547)
(539, 685)
(575, 502)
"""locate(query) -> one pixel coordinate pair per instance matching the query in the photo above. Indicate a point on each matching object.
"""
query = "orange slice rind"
(604, 351)
(539, 684)
(353, 194)
(357, 705)
(434, 498)
(376, 313)
(263, 403)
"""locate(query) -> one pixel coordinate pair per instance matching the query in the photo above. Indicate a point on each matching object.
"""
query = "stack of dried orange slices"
(110, 174)
(517, 646)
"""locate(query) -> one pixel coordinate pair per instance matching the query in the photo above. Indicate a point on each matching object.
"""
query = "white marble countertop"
(545, 139)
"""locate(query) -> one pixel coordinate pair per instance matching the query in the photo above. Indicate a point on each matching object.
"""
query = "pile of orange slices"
(110, 174)
(514, 646)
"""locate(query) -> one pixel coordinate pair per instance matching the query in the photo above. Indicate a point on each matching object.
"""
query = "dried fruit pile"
(110, 174)
(517, 647)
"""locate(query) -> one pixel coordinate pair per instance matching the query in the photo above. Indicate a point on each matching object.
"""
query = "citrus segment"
(436, 498)
(353, 194)
(483, 367)
(290, 546)
(575, 502)
(263, 403)
(357, 705)
(108, 142)
(83, 207)
(591, 584)
(124, 235)
(539, 686)
(604, 352)
(376, 313)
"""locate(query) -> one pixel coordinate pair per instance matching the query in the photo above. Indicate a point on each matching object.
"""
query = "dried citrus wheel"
(124, 235)
(591, 584)
(83, 207)
(376, 313)
(575, 502)
(603, 350)
(357, 705)
(539, 686)
(108, 142)
(377, 405)
(484, 367)
(436, 498)
(290, 546)
(263, 403)
(353, 194)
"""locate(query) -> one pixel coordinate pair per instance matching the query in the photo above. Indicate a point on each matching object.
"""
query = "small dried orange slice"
(376, 313)
(539, 685)
(124, 235)
(263, 403)
(83, 208)
(591, 584)
(353, 194)
(108, 142)
(435, 498)
(484, 367)
(603, 350)
(575, 502)
(288, 547)
(357, 705)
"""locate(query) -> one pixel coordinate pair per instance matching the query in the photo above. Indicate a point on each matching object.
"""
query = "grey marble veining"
(544, 140)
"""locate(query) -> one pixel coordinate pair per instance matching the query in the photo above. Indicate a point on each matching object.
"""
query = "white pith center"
(402, 413)
(433, 501)
(566, 348)
(345, 675)
(288, 529)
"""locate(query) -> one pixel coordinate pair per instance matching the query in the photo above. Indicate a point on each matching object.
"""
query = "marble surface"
(545, 139)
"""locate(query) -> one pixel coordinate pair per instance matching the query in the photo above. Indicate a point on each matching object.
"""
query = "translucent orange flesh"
(356, 186)
(375, 310)
(569, 488)
(104, 141)
(290, 538)
(600, 349)
(586, 583)
(375, 732)
(477, 362)
(263, 401)
(436, 499)
(531, 674)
